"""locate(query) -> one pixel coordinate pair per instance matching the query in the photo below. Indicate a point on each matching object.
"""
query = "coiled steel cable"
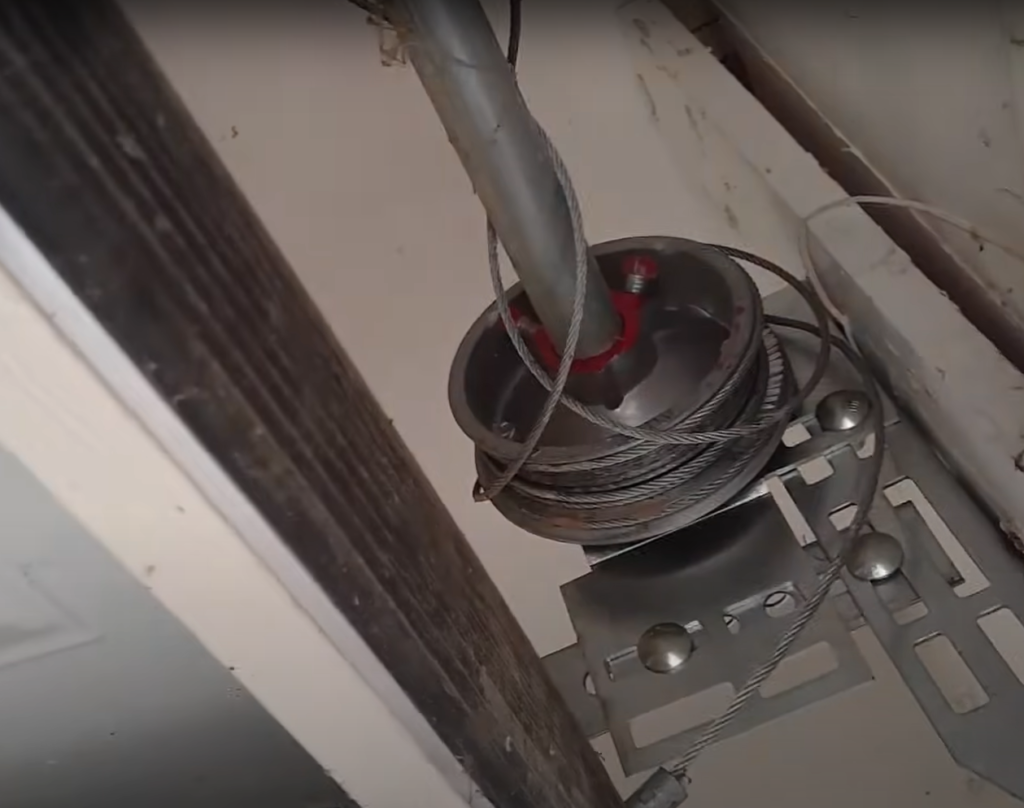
(867, 489)
(657, 434)
(692, 431)
(643, 437)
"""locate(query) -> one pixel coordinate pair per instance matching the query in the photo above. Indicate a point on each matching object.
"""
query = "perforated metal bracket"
(959, 579)
(966, 578)
(731, 581)
(961, 584)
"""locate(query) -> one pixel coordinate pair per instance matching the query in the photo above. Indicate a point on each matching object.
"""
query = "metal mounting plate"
(984, 738)
(615, 603)
(726, 566)
(953, 584)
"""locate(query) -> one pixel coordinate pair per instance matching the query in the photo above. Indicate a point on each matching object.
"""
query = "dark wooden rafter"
(108, 174)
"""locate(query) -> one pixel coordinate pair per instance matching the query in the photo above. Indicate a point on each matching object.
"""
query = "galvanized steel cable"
(745, 433)
(708, 443)
(658, 433)
(688, 432)
(868, 487)
(869, 484)
(556, 387)
(648, 437)
(688, 479)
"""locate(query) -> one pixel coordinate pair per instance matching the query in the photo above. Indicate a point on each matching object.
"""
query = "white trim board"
(198, 545)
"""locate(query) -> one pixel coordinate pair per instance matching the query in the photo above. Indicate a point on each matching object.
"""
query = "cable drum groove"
(584, 476)
(630, 480)
(626, 482)
(648, 482)
(620, 482)
(673, 469)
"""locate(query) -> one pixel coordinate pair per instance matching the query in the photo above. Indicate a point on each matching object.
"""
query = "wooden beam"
(107, 173)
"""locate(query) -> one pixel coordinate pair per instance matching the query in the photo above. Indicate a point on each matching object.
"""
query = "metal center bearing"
(706, 363)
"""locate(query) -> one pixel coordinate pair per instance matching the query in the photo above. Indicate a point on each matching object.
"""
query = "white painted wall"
(109, 700)
(933, 97)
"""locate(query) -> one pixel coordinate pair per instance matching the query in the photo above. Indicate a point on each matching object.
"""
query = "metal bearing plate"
(961, 575)
(731, 574)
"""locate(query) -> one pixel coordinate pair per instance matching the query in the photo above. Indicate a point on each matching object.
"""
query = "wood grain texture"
(110, 177)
